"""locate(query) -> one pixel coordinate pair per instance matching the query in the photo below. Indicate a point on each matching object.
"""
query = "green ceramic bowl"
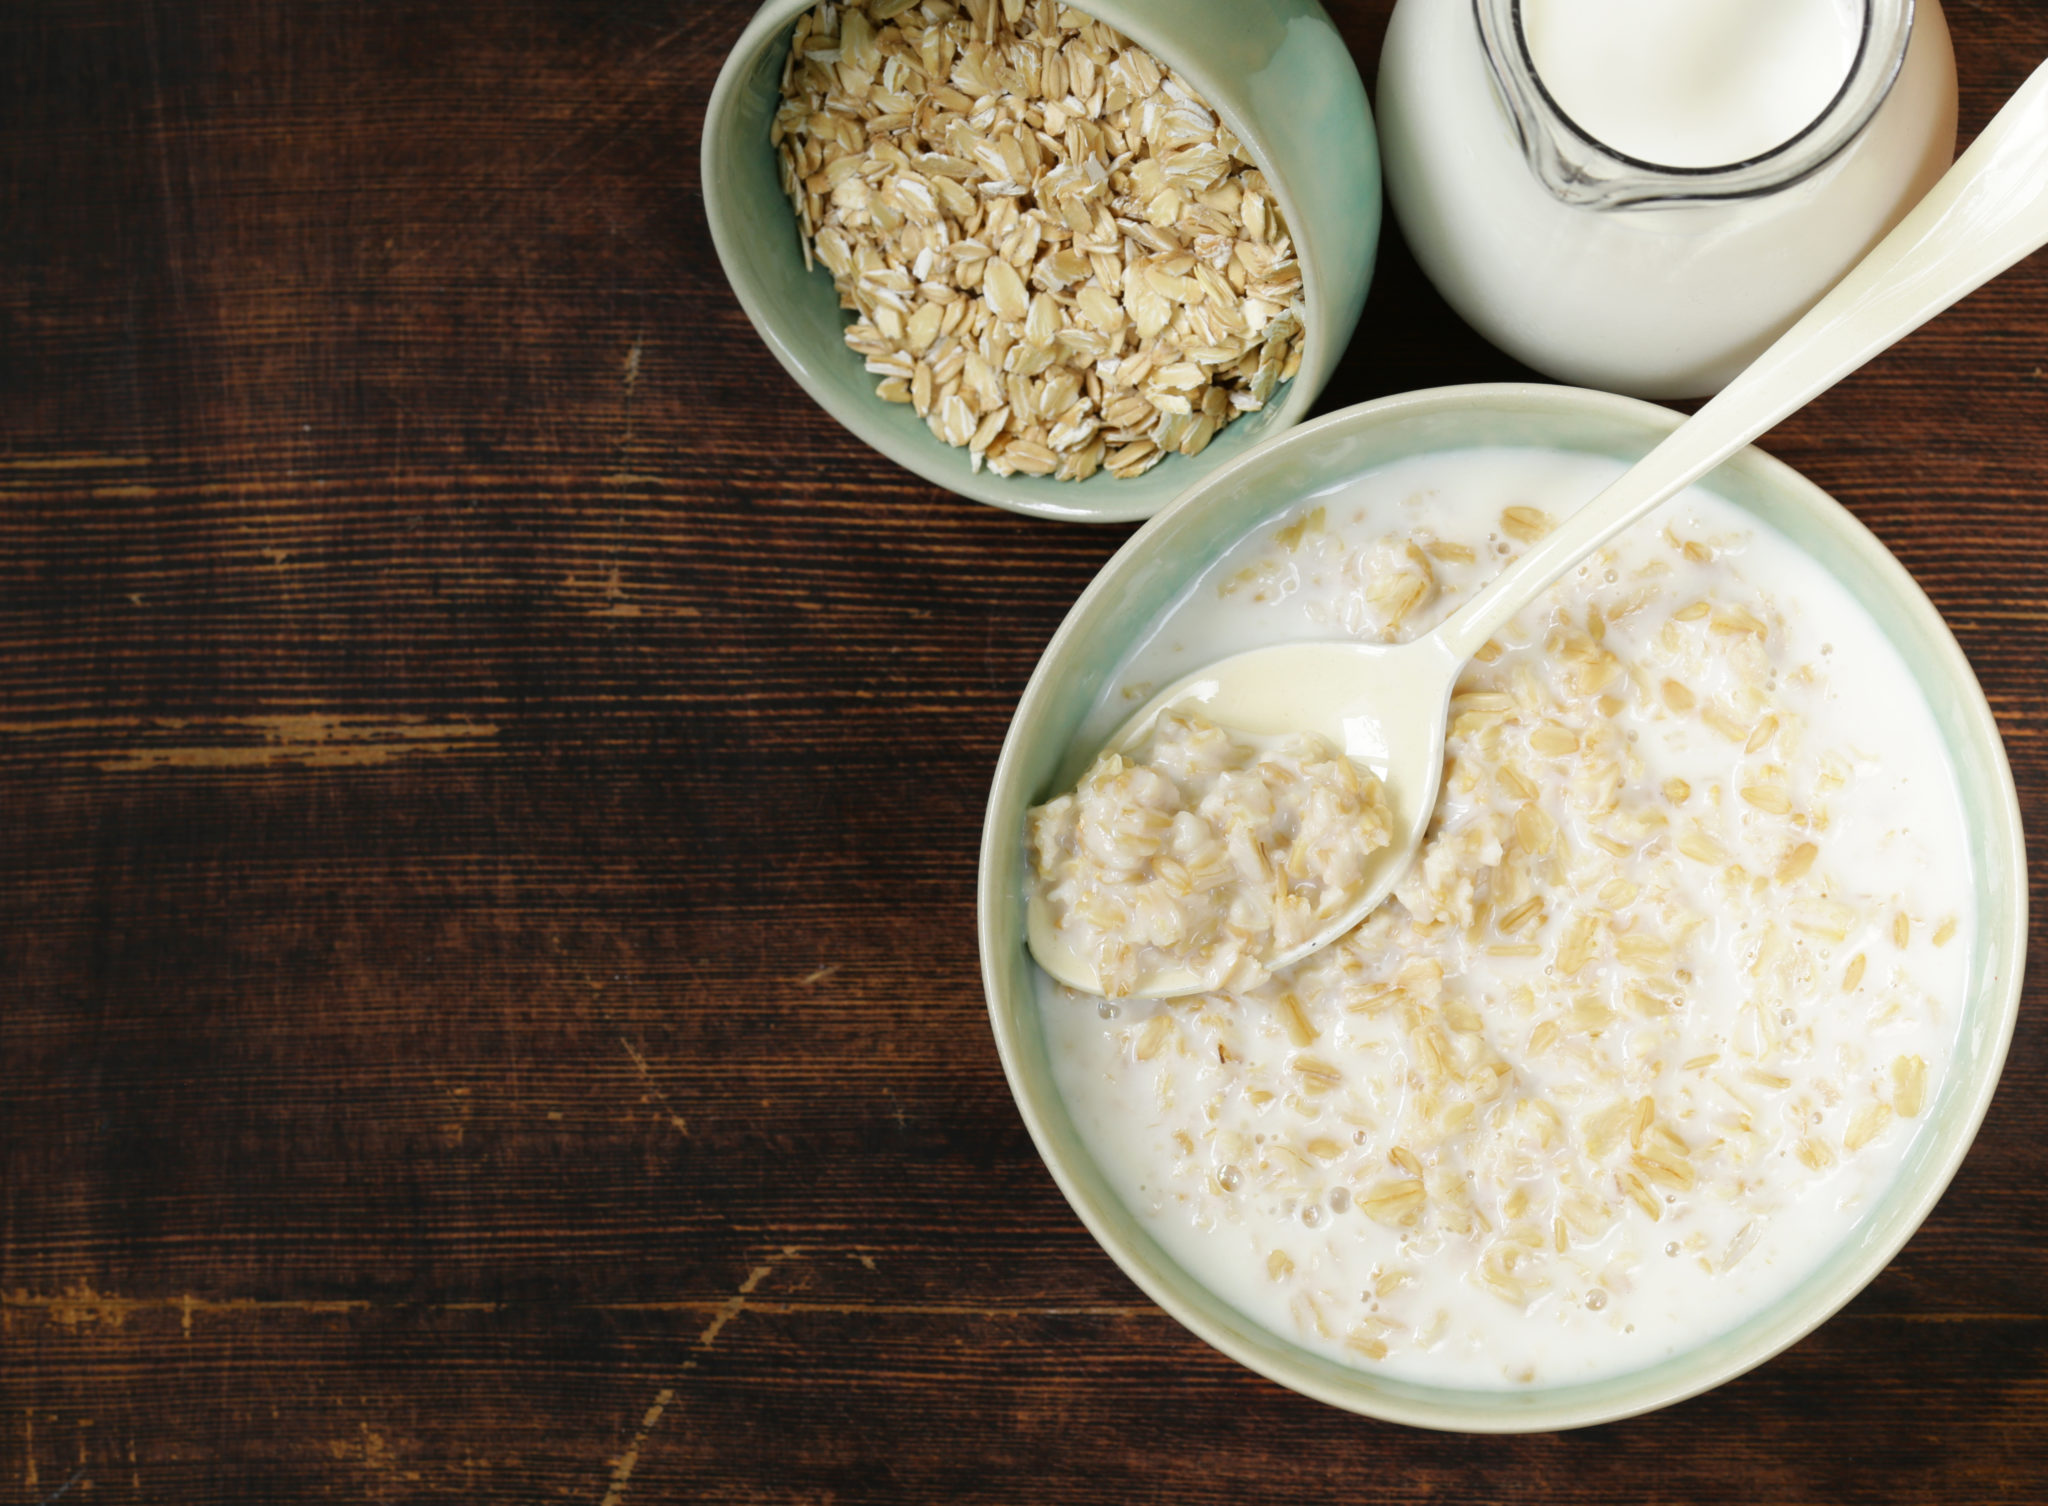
(1277, 73)
(1152, 570)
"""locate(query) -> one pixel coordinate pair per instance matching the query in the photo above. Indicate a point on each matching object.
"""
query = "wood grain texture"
(489, 788)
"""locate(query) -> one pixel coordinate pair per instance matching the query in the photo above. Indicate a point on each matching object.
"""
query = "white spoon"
(1386, 707)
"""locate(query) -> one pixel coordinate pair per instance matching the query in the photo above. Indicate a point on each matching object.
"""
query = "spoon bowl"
(1381, 705)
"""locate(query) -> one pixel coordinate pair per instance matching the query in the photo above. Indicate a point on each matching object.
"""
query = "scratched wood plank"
(489, 786)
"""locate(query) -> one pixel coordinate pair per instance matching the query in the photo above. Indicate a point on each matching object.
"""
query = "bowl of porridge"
(1675, 1029)
(1061, 260)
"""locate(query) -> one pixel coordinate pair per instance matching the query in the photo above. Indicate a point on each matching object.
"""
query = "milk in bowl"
(1655, 1017)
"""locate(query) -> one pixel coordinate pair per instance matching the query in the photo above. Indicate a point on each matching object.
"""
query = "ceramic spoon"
(1386, 706)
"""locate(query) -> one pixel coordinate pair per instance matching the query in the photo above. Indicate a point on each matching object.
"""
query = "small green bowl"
(1151, 571)
(1278, 74)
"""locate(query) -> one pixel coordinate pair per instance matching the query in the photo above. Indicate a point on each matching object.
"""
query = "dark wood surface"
(489, 786)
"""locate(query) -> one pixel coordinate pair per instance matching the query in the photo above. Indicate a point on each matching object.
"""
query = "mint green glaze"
(1154, 568)
(1277, 73)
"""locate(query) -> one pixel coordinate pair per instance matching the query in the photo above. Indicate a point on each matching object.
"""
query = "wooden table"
(489, 786)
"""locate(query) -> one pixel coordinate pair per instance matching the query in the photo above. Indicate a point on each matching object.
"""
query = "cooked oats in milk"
(1648, 1024)
(1209, 852)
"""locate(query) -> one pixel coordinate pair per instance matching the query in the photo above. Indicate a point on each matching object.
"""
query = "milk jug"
(1640, 195)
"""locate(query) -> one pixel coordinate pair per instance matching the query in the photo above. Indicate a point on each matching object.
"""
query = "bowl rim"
(2003, 984)
(770, 22)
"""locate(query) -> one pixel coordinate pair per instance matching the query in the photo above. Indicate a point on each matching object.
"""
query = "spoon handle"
(1985, 213)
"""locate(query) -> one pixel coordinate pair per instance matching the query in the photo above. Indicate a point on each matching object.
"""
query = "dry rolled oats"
(1054, 250)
